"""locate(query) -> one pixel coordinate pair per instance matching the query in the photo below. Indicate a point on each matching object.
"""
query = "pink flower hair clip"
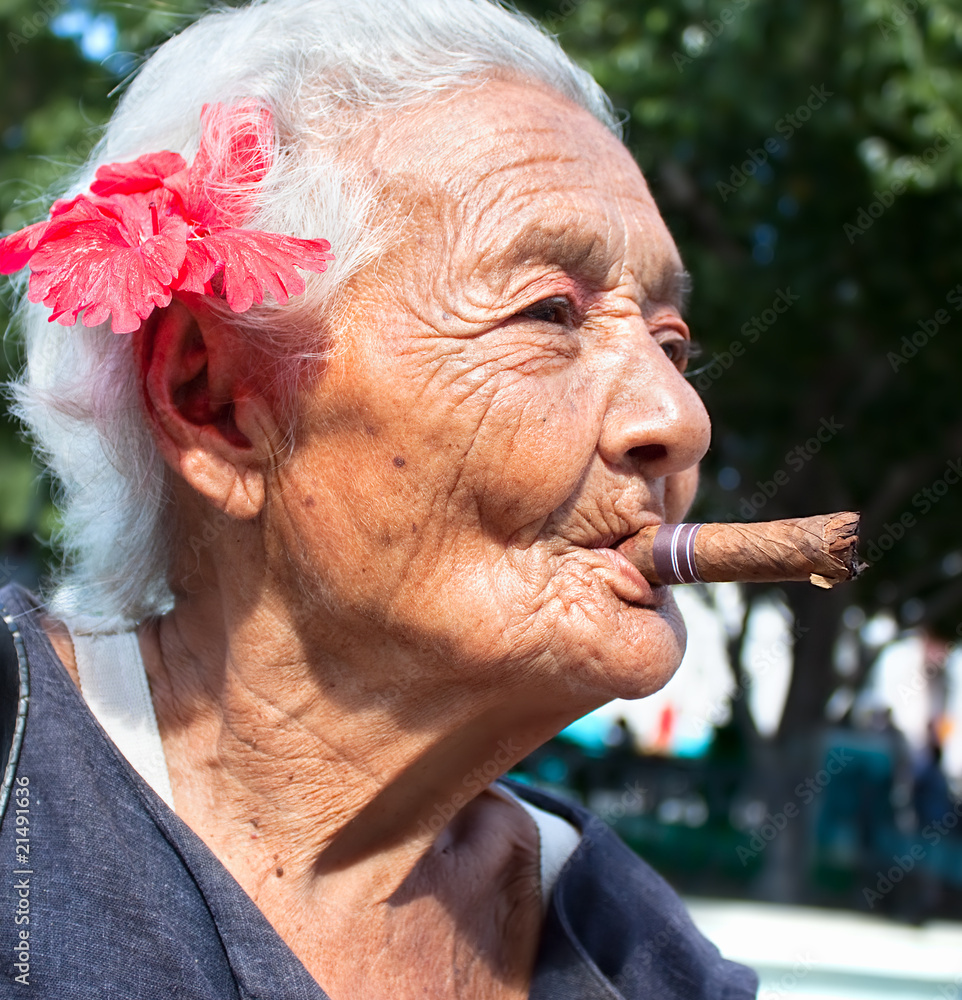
(155, 226)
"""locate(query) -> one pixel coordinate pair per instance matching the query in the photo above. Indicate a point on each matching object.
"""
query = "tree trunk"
(792, 755)
(817, 619)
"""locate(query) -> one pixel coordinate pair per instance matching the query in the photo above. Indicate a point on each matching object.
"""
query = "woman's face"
(504, 403)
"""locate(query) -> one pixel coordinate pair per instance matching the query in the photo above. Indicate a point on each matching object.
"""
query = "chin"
(633, 658)
(646, 678)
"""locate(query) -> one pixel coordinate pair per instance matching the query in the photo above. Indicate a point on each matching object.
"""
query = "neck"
(318, 756)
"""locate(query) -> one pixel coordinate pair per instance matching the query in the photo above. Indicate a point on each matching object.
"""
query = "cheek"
(534, 449)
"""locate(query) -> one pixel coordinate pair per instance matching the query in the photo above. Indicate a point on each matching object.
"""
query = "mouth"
(626, 580)
(614, 542)
(628, 583)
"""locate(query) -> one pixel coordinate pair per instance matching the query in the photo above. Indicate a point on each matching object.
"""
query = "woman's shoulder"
(114, 887)
(14, 687)
(617, 917)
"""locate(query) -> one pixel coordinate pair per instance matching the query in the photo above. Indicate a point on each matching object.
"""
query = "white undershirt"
(113, 682)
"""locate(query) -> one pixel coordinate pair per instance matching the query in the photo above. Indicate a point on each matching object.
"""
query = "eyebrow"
(586, 254)
(577, 252)
(673, 287)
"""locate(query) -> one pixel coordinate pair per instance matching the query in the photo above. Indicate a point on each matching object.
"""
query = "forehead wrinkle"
(494, 194)
(500, 195)
(511, 150)
(516, 228)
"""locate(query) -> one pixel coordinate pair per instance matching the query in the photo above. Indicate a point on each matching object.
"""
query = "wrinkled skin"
(425, 590)
(507, 402)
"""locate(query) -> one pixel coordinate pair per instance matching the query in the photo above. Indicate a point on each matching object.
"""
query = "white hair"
(328, 70)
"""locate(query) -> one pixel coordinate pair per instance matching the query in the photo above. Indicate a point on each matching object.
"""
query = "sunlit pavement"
(802, 953)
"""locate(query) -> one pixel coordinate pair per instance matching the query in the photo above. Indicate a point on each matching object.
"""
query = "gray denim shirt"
(106, 895)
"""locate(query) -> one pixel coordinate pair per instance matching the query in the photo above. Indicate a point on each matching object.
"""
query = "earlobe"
(210, 422)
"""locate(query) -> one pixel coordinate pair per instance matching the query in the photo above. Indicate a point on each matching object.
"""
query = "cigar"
(820, 549)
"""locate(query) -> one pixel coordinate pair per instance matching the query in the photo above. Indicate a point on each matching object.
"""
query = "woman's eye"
(557, 310)
(680, 352)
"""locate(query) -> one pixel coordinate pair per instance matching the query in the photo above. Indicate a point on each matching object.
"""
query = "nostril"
(647, 453)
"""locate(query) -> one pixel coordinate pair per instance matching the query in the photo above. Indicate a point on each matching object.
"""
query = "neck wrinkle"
(306, 763)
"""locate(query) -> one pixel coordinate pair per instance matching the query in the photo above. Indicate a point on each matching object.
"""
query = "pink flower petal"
(178, 185)
(17, 248)
(197, 270)
(97, 268)
(236, 151)
(258, 263)
(64, 205)
(146, 173)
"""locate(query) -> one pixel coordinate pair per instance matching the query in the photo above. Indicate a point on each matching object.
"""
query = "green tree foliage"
(808, 158)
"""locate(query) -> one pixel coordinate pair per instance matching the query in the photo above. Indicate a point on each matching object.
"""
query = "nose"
(655, 423)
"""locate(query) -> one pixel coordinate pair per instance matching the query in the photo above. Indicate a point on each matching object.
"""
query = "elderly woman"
(339, 559)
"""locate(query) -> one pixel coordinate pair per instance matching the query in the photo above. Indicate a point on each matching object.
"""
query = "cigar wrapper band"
(673, 553)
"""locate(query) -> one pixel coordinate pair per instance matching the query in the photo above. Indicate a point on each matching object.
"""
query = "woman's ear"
(212, 423)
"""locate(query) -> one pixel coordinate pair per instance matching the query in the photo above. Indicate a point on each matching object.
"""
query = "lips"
(630, 585)
(616, 541)
(626, 580)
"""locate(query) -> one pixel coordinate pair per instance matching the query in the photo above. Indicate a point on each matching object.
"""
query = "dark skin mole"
(398, 461)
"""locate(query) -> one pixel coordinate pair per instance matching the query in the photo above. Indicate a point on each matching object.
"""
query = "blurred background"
(807, 154)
